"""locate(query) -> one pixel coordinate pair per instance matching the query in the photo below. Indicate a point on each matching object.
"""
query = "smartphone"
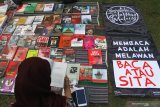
(81, 97)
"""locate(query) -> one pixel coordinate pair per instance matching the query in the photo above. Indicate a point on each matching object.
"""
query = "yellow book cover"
(39, 7)
(22, 20)
(32, 53)
(2, 20)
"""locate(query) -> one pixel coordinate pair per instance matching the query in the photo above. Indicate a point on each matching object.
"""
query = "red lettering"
(150, 75)
(141, 73)
(148, 81)
(120, 65)
(130, 81)
(128, 72)
(135, 71)
(134, 64)
(145, 65)
(139, 83)
(127, 64)
(122, 79)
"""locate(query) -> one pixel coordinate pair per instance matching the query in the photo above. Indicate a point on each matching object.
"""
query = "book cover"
(39, 30)
(56, 54)
(3, 19)
(21, 21)
(94, 20)
(54, 41)
(85, 9)
(21, 42)
(12, 69)
(30, 41)
(4, 38)
(20, 9)
(9, 29)
(99, 74)
(32, 53)
(8, 52)
(58, 8)
(56, 19)
(48, 19)
(79, 29)
(69, 55)
(29, 29)
(14, 20)
(3, 8)
(85, 72)
(42, 41)
(100, 42)
(93, 10)
(86, 19)
(20, 54)
(68, 29)
(30, 8)
(38, 19)
(77, 41)
(94, 56)
(3, 66)
(67, 9)
(66, 19)
(89, 42)
(39, 7)
(48, 30)
(48, 7)
(44, 52)
(19, 30)
(90, 30)
(76, 9)
(75, 18)
(57, 30)
(13, 40)
(8, 84)
(65, 41)
(30, 20)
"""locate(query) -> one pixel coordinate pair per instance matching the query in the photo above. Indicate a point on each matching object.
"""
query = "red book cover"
(94, 56)
(76, 19)
(65, 41)
(42, 41)
(88, 42)
(12, 69)
(20, 54)
(56, 19)
(48, 19)
(4, 38)
(8, 52)
(3, 66)
(44, 52)
(85, 72)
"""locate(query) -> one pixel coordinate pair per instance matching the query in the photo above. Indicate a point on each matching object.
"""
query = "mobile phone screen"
(81, 98)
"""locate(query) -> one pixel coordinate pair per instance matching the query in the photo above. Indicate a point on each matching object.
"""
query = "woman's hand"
(67, 89)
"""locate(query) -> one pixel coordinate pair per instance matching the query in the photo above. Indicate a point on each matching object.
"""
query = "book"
(94, 56)
(3, 8)
(86, 19)
(44, 52)
(20, 9)
(89, 30)
(13, 40)
(8, 85)
(77, 41)
(69, 55)
(58, 8)
(48, 19)
(65, 41)
(75, 18)
(29, 20)
(21, 21)
(8, 52)
(99, 74)
(89, 42)
(48, 30)
(20, 54)
(39, 7)
(3, 19)
(3, 66)
(68, 29)
(57, 78)
(12, 69)
(56, 19)
(66, 19)
(9, 29)
(30, 41)
(67, 9)
(32, 53)
(30, 8)
(4, 38)
(42, 41)
(38, 19)
(56, 54)
(29, 29)
(54, 41)
(85, 9)
(79, 29)
(94, 20)
(48, 7)
(57, 30)
(93, 9)
(85, 72)
(76, 9)
(39, 30)
(100, 42)
(19, 30)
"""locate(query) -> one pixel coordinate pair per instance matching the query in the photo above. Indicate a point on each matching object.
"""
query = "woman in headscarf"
(32, 86)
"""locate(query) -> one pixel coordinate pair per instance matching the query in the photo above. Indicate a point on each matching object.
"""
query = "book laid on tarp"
(3, 66)
(32, 53)
(20, 54)
(30, 8)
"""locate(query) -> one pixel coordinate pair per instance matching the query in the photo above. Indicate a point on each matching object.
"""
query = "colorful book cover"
(42, 41)
(79, 29)
(30, 41)
(54, 41)
(8, 52)
(32, 53)
(86, 19)
(85, 72)
(68, 29)
(57, 30)
(76, 9)
(13, 40)
(99, 74)
(21, 8)
(39, 30)
(69, 55)
(38, 19)
(67, 9)
(56, 19)
(9, 29)
(48, 7)
(19, 30)
(66, 19)
(12, 69)
(90, 30)
(30, 8)
(94, 56)
(3, 66)
(39, 7)
(30, 20)
(65, 41)
(21, 21)
(8, 85)
(48, 19)
(48, 30)
(77, 41)
(89, 42)
(58, 8)
(44, 52)
(29, 29)
(93, 10)
(20, 54)
(85, 9)
(3, 19)
(100, 42)
(4, 38)
(76, 19)
(56, 54)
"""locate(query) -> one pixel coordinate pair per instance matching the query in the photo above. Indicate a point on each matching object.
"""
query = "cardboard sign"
(136, 74)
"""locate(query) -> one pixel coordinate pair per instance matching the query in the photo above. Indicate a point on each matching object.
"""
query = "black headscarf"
(32, 87)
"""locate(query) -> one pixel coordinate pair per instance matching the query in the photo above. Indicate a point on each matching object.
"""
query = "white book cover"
(29, 29)
(19, 30)
(48, 7)
(58, 72)
(29, 20)
(85, 9)
(79, 29)
(86, 19)
(39, 18)
(3, 9)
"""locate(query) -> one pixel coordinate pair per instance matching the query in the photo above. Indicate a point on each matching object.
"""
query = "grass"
(151, 13)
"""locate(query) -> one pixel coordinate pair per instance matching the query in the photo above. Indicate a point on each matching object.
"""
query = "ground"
(150, 11)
